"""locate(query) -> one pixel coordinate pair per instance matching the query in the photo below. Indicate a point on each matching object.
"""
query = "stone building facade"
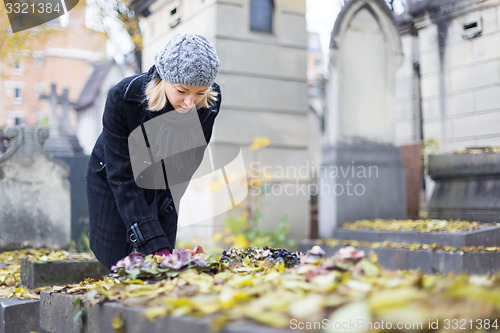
(66, 59)
(449, 83)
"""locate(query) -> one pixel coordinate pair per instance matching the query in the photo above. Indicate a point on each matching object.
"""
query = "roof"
(93, 85)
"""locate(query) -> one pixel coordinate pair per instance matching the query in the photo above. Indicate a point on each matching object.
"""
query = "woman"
(125, 217)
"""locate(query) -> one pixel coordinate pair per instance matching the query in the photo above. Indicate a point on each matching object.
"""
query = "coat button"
(169, 209)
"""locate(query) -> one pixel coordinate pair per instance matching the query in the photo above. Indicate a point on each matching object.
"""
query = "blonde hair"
(157, 99)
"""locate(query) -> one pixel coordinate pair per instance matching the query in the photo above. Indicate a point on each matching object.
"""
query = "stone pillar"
(362, 175)
(34, 192)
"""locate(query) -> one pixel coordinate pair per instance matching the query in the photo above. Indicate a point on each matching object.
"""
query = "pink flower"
(134, 259)
(197, 249)
(349, 253)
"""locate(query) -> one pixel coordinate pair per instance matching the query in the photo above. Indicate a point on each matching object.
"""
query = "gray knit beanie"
(189, 59)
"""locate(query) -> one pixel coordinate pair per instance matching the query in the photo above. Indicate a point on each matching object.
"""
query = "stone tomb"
(467, 186)
(360, 121)
(428, 262)
(486, 236)
(22, 316)
(34, 192)
(481, 261)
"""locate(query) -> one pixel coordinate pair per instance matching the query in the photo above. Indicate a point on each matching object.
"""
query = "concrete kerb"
(428, 262)
(19, 316)
(35, 274)
(58, 316)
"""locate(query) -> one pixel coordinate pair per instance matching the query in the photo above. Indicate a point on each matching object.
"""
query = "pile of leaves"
(10, 267)
(330, 291)
(480, 150)
(265, 256)
(416, 225)
(348, 287)
(409, 246)
(138, 265)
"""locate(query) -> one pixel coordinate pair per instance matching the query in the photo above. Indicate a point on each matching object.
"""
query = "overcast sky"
(320, 16)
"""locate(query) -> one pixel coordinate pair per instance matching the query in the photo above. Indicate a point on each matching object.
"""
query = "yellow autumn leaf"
(117, 324)
(373, 257)
(259, 142)
(268, 176)
(241, 241)
(275, 319)
(356, 311)
(388, 300)
(216, 237)
(153, 312)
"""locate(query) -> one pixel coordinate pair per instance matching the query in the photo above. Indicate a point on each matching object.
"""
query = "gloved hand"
(162, 252)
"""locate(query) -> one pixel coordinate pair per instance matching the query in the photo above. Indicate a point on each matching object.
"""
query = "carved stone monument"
(62, 141)
(362, 175)
(34, 193)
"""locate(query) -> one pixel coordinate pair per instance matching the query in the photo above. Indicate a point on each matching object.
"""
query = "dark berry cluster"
(256, 255)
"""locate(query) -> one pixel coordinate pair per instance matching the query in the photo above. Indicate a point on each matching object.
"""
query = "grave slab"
(428, 262)
(36, 274)
(57, 316)
(485, 236)
(19, 316)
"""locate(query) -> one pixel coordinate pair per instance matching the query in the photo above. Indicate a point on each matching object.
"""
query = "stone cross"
(58, 124)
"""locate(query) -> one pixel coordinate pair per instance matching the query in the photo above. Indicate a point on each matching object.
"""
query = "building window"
(261, 15)
(18, 67)
(18, 95)
(175, 12)
(14, 117)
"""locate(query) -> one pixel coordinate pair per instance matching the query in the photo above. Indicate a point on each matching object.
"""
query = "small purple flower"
(172, 261)
(199, 260)
(128, 262)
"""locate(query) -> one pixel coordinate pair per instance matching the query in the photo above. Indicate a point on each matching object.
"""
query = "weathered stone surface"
(35, 205)
(429, 262)
(360, 181)
(79, 206)
(57, 313)
(35, 274)
(19, 316)
(467, 186)
(57, 316)
(461, 165)
(485, 236)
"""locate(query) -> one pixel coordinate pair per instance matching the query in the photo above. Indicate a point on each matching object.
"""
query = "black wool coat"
(122, 215)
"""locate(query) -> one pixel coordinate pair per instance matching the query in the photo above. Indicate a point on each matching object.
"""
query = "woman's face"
(183, 97)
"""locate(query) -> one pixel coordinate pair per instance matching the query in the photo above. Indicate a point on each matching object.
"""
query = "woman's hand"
(162, 252)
